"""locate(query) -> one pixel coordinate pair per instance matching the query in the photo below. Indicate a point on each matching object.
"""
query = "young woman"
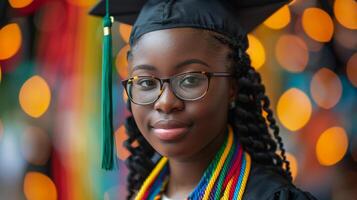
(197, 104)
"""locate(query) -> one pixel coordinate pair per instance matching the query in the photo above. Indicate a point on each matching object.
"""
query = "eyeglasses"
(190, 86)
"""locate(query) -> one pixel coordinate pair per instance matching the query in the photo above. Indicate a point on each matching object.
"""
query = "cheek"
(140, 114)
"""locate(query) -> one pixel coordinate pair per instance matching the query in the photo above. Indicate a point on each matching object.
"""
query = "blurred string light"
(317, 24)
(256, 51)
(294, 109)
(20, 3)
(346, 13)
(331, 146)
(292, 53)
(293, 164)
(326, 88)
(279, 19)
(35, 96)
(351, 69)
(121, 62)
(125, 30)
(35, 146)
(10, 40)
(38, 186)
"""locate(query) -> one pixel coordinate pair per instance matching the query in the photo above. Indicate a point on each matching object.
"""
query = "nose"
(168, 102)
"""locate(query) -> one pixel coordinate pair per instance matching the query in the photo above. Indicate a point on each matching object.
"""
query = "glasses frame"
(209, 75)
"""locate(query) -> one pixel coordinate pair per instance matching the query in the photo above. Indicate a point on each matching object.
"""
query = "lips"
(170, 130)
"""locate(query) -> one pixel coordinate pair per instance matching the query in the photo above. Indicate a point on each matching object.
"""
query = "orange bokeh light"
(317, 24)
(331, 146)
(346, 13)
(326, 88)
(256, 51)
(35, 96)
(292, 53)
(125, 30)
(10, 40)
(293, 164)
(20, 3)
(38, 186)
(351, 69)
(120, 138)
(294, 109)
(121, 62)
(279, 19)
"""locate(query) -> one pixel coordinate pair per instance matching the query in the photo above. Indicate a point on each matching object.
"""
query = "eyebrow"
(179, 65)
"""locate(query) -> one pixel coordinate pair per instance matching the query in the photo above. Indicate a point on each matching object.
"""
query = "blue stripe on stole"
(240, 179)
(156, 187)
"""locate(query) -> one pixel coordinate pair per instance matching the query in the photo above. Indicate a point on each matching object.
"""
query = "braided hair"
(258, 135)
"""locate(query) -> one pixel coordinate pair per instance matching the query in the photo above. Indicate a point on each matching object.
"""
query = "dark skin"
(206, 118)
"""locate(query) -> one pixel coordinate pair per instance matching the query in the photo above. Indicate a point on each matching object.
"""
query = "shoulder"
(267, 184)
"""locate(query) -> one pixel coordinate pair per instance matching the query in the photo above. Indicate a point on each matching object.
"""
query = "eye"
(192, 80)
(146, 83)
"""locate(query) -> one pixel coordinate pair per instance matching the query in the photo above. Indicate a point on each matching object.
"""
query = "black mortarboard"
(231, 18)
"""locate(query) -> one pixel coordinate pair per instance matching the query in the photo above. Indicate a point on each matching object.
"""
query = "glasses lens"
(190, 86)
(143, 90)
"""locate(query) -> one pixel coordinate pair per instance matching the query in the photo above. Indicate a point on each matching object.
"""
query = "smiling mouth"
(170, 131)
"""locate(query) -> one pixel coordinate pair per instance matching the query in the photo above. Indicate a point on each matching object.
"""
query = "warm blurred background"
(50, 72)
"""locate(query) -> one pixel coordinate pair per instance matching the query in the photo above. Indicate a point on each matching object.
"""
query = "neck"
(185, 174)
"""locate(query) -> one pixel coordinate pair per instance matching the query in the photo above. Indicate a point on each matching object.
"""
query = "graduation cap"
(232, 18)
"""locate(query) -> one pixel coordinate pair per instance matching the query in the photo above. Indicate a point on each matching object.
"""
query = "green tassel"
(106, 112)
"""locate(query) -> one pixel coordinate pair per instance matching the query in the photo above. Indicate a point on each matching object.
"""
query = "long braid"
(247, 117)
(246, 120)
(140, 161)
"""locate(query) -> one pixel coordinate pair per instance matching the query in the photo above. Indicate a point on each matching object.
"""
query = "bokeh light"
(121, 62)
(35, 96)
(10, 40)
(326, 88)
(317, 24)
(125, 30)
(256, 51)
(35, 146)
(331, 146)
(351, 69)
(293, 164)
(120, 137)
(38, 186)
(292, 53)
(294, 109)
(279, 19)
(346, 13)
(20, 3)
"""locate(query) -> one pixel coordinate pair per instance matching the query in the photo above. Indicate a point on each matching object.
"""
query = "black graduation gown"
(265, 184)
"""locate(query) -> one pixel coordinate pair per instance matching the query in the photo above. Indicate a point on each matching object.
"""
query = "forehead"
(165, 48)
